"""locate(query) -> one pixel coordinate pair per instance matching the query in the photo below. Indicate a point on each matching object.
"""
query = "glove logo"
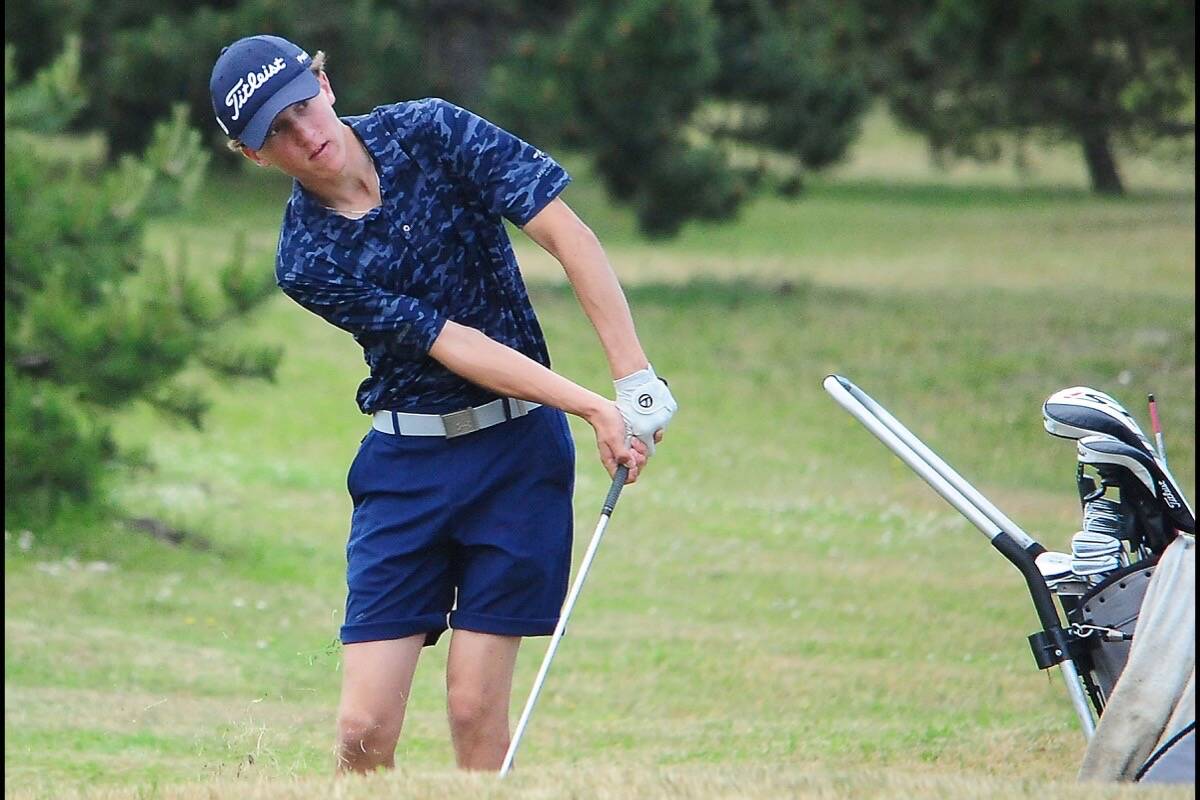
(645, 401)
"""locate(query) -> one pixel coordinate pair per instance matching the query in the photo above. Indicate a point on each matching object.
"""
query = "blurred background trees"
(686, 108)
(141, 57)
(967, 73)
(92, 321)
(684, 105)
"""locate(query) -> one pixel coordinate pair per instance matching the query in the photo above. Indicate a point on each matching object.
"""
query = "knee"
(365, 732)
(467, 707)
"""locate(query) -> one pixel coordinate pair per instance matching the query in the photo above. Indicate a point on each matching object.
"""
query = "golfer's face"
(305, 139)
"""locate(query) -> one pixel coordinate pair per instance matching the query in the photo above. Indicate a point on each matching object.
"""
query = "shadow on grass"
(707, 292)
(942, 195)
(164, 532)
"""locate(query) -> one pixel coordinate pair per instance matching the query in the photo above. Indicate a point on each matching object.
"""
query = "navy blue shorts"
(472, 532)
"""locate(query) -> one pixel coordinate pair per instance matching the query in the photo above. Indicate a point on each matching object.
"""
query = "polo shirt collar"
(320, 220)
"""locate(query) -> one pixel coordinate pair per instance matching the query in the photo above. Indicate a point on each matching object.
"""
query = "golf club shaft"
(1156, 426)
(610, 502)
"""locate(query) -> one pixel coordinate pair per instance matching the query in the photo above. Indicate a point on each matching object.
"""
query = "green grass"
(780, 607)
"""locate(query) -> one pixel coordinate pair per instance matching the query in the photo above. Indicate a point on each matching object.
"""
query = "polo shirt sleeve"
(358, 306)
(512, 178)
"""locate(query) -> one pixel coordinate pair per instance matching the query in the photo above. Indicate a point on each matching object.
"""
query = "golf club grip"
(614, 491)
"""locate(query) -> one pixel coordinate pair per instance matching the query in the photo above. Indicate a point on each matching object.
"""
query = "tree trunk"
(1102, 166)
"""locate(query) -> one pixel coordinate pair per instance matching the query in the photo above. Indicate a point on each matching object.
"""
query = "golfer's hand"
(614, 444)
(646, 404)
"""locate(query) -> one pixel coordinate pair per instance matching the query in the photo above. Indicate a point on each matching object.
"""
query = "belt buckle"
(459, 423)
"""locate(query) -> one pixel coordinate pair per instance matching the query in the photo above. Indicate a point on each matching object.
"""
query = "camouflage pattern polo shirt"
(435, 250)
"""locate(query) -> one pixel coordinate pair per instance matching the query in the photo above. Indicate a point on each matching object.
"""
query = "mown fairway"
(780, 607)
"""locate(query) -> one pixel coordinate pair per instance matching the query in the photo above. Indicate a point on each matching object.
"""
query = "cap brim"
(303, 87)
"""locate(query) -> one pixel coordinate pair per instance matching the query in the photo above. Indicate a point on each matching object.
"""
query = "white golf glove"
(646, 404)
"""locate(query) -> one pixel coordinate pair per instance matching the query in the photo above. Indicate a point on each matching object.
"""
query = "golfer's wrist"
(588, 406)
(623, 368)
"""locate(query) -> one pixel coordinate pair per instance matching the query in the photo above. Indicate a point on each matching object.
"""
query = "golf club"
(1156, 428)
(1103, 516)
(1151, 479)
(610, 503)
(1055, 567)
(1094, 544)
(1094, 568)
(1082, 411)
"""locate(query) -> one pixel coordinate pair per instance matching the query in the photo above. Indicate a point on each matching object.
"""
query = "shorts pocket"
(560, 436)
(359, 456)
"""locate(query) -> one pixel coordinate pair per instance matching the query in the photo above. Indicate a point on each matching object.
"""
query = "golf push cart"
(1131, 569)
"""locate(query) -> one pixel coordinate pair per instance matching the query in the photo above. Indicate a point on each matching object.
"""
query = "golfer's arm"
(565, 236)
(484, 361)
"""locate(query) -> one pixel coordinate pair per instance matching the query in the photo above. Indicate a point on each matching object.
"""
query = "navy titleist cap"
(253, 80)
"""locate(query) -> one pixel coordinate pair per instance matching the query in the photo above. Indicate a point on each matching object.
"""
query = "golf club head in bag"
(1094, 544)
(1082, 411)
(1094, 555)
(1095, 567)
(1103, 516)
(1155, 499)
(1055, 567)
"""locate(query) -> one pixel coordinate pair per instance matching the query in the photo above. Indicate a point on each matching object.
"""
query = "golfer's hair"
(317, 67)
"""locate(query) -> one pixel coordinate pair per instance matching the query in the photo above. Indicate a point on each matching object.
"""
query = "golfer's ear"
(254, 156)
(326, 86)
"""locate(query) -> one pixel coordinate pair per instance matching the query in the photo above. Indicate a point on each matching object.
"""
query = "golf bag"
(1127, 590)
(1133, 571)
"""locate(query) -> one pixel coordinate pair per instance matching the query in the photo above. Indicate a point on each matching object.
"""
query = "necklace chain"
(358, 212)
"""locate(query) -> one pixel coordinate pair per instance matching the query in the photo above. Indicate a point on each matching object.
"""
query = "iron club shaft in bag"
(1156, 427)
(610, 503)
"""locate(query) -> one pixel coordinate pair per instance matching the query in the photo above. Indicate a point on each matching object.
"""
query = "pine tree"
(686, 106)
(94, 321)
(970, 74)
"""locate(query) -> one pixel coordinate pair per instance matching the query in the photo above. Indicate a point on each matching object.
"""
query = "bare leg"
(479, 672)
(376, 680)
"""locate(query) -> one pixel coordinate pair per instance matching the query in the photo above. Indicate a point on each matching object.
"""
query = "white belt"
(457, 423)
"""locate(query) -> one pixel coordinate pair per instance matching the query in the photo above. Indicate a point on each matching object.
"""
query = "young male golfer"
(462, 488)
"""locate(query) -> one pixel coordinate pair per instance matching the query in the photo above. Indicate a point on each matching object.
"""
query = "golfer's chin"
(327, 158)
(327, 162)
